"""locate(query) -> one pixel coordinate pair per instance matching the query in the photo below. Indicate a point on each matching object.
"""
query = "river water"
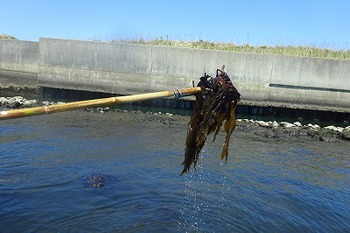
(49, 165)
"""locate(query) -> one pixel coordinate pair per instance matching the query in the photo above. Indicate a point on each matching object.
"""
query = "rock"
(3, 101)
(287, 125)
(18, 98)
(336, 130)
(326, 139)
(346, 132)
(95, 181)
(311, 126)
(266, 134)
(327, 133)
(29, 103)
(100, 110)
(262, 123)
(295, 131)
(15, 102)
(330, 127)
(245, 127)
(312, 132)
(339, 131)
(275, 125)
(298, 124)
(46, 103)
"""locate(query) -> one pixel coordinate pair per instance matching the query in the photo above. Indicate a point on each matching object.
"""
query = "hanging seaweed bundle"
(214, 106)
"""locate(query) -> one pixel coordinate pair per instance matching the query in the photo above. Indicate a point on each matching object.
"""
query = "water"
(47, 163)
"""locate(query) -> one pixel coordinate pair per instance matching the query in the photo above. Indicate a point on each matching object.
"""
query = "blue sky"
(321, 23)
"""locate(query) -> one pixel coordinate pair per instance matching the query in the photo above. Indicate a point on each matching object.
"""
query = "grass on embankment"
(303, 51)
(3, 36)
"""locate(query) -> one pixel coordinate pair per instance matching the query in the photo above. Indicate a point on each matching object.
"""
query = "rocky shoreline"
(273, 129)
(16, 102)
(266, 129)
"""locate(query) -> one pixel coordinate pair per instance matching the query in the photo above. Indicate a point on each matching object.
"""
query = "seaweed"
(214, 106)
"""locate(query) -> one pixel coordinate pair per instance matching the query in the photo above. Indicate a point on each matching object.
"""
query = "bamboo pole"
(10, 114)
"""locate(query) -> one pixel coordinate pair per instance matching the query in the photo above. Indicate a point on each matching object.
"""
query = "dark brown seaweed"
(214, 106)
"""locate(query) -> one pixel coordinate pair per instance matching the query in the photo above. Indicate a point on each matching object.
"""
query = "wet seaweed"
(214, 106)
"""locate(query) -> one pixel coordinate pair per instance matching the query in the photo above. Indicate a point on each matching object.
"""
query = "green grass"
(303, 51)
(3, 36)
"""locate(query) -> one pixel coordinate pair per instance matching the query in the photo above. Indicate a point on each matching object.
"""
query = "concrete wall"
(19, 63)
(130, 68)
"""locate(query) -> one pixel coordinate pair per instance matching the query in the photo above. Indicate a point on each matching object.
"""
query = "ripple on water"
(51, 171)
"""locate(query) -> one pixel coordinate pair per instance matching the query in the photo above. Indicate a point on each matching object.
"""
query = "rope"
(177, 93)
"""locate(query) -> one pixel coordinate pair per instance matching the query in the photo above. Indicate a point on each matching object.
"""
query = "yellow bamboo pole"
(25, 112)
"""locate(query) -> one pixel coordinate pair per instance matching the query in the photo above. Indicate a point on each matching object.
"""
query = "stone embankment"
(21, 102)
(267, 129)
(274, 129)
(16, 102)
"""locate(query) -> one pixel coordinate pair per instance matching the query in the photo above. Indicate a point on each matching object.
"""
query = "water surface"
(47, 163)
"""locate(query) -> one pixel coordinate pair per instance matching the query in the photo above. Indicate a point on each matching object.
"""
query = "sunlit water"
(46, 164)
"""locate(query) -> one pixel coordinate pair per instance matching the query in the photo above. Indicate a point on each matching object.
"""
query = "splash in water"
(214, 105)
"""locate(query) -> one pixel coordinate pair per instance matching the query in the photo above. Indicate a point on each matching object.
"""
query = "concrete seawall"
(19, 63)
(130, 68)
